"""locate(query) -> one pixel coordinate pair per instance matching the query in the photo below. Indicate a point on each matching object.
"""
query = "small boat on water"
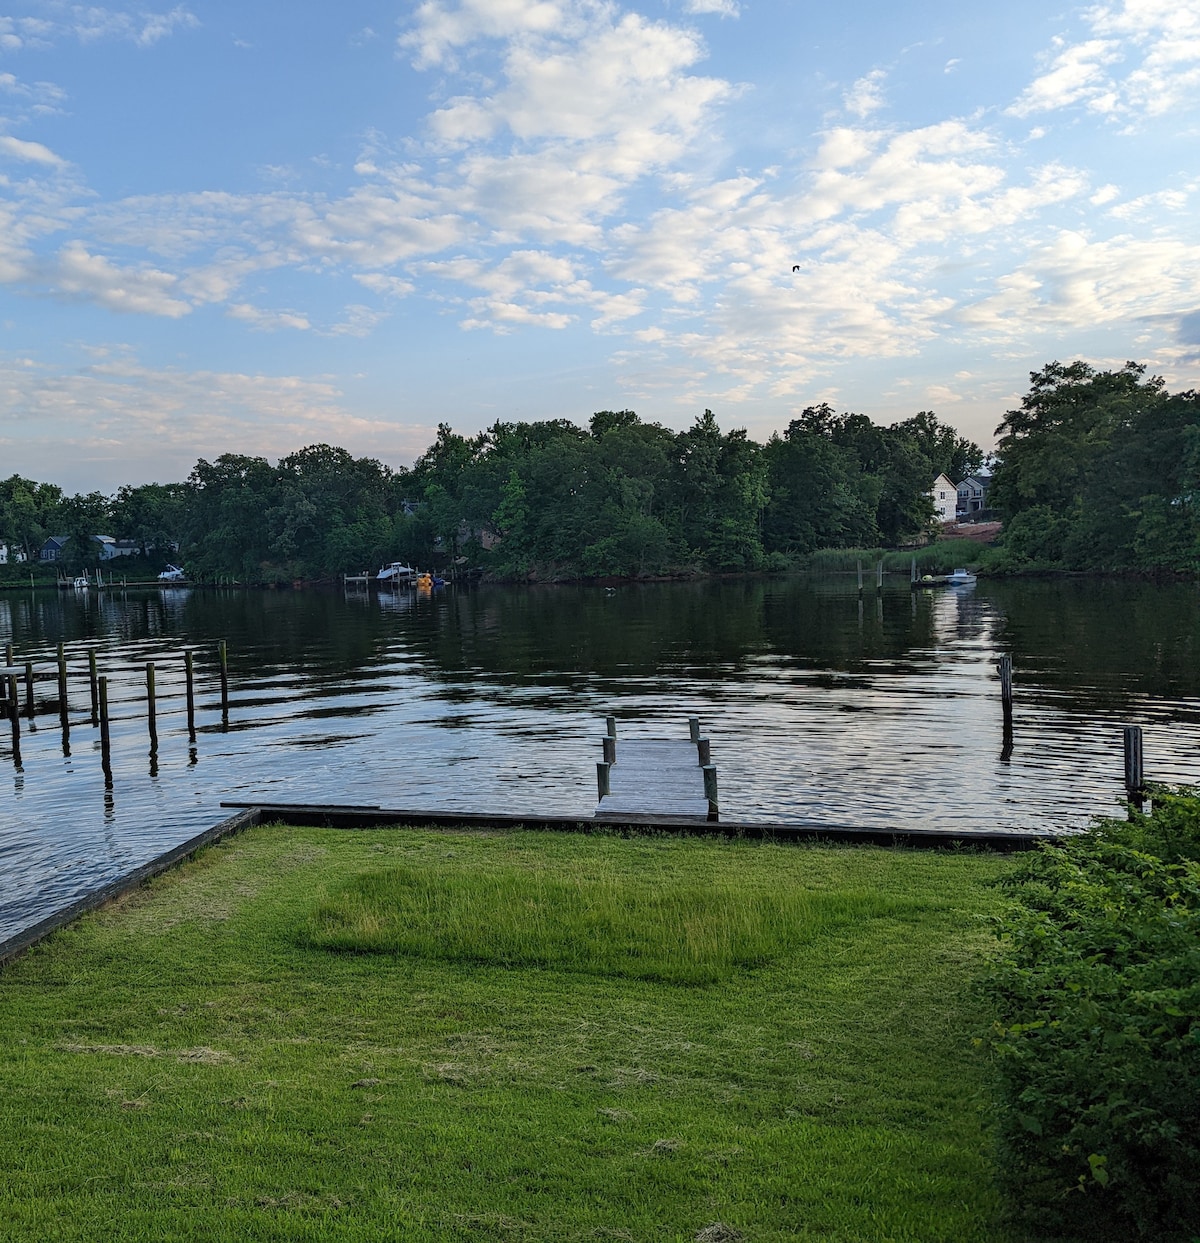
(960, 578)
(82, 583)
(396, 573)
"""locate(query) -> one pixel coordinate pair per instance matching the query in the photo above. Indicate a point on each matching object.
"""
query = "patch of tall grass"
(937, 558)
(676, 932)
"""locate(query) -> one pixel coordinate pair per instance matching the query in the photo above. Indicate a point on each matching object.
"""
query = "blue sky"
(247, 228)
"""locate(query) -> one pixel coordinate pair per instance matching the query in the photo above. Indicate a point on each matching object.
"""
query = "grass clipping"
(677, 933)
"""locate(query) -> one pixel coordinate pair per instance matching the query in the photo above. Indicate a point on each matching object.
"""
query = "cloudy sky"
(232, 227)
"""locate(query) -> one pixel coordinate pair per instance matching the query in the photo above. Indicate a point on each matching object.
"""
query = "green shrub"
(1096, 1041)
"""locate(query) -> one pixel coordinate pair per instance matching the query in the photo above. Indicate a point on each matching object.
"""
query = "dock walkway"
(656, 780)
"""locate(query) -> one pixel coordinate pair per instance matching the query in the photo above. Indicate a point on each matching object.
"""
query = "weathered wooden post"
(191, 695)
(105, 740)
(610, 725)
(29, 689)
(610, 749)
(8, 655)
(710, 788)
(879, 576)
(63, 706)
(860, 580)
(1135, 774)
(223, 656)
(1004, 666)
(704, 752)
(912, 574)
(602, 783)
(14, 718)
(150, 706)
(694, 728)
(95, 690)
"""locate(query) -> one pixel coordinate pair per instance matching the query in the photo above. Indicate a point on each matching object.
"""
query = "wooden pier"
(656, 780)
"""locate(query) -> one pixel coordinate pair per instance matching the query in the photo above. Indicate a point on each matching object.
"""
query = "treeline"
(552, 499)
(1100, 470)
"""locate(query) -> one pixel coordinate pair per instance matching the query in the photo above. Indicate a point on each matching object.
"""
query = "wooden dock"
(656, 780)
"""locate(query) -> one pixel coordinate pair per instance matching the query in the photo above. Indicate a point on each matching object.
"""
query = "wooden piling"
(29, 705)
(694, 728)
(912, 574)
(93, 687)
(1135, 774)
(610, 749)
(223, 657)
(860, 578)
(1004, 666)
(63, 706)
(610, 725)
(14, 718)
(879, 577)
(710, 786)
(8, 655)
(602, 783)
(191, 696)
(105, 741)
(151, 707)
(704, 752)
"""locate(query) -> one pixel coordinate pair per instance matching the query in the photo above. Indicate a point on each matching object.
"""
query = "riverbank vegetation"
(1096, 1043)
(279, 1040)
(549, 500)
(1096, 470)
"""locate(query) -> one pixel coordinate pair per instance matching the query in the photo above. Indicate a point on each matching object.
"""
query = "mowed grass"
(313, 1034)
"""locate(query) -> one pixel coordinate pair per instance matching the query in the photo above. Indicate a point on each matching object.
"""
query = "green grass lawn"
(314, 1034)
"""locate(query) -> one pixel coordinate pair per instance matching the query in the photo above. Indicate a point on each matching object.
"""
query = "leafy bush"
(1096, 1041)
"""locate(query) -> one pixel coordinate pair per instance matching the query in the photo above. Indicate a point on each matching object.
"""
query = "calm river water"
(821, 707)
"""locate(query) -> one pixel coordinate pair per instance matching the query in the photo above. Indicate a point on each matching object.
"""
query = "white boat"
(172, 574)
(81, 583)
(395, 573)
(960, 578)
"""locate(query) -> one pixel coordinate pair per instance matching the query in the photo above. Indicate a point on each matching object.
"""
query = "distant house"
(11, 552)
(972, 495)
(945, 499)
(112, 548)
(109, 548)
(52, 548)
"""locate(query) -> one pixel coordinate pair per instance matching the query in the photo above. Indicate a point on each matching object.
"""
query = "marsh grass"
(678, 932)
(937, 558)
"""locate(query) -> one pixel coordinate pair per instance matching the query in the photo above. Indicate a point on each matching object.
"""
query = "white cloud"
(1073, 282)
(866, 95)
(147, 291)
(117, 421)
(440, 29)
(1143, 60)
(358, 321)
(391, 286)
(31, 152)
(145, 29)
(721, 8)
(268, 321)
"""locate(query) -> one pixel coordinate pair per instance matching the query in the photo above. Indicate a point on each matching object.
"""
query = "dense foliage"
(1096, 1045)
(1100, 470)
(552, 499)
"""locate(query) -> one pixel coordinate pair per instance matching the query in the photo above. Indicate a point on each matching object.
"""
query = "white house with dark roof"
(945, 499)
